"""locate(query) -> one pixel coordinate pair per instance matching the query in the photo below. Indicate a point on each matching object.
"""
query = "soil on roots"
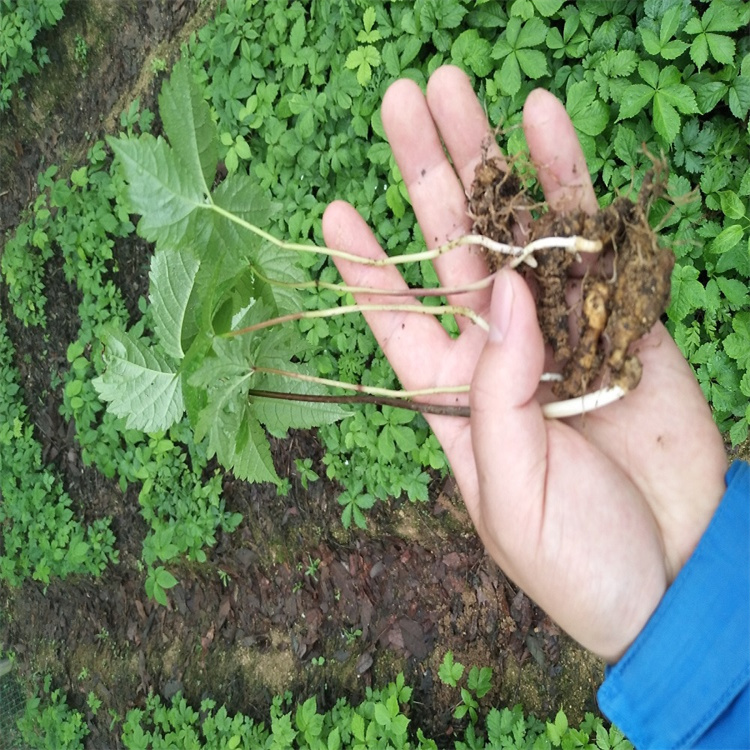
(624, 289)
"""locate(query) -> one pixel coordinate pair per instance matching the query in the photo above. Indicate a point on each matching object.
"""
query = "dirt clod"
(624, 289)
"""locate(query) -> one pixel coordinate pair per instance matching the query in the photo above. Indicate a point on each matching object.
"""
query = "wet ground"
(290, 600)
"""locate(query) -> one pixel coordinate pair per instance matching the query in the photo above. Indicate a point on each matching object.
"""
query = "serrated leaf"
(532, 62)
(139, 384)
(298, 34)
(739, 97)
(626, 145)
(548, 8)
(666, 119)
(721, 48)
(680, 97)
(158, 188)
(473, 52)
(172, 277)
(532, 33)
(588, 113)
(745, 183)
(282, 266)
(510, 75)
(240, 444)
(188, 126)
(699, 51)
(649, 72)
(688, 294)
(278, 416)
(736, 292)
(634, 100)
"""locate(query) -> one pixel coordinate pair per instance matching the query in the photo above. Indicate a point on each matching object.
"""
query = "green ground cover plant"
(381, 720)
(20, 23)
(81, 218)
(42, 538)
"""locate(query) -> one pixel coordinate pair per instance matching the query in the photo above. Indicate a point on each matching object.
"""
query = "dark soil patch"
(290, 585)
(625, 289)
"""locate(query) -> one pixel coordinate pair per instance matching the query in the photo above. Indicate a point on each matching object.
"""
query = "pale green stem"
(522, 253)
(370, 390)
(348, 309)
(443, 291)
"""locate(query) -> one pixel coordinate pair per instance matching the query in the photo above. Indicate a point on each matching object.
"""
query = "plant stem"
(410, 292)
(370, 390)
(347, 309)
(398, 403)
(555, 410)
(523, 253)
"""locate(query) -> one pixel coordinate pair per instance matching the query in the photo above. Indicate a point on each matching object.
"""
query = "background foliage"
(20, 23)
(294, 91)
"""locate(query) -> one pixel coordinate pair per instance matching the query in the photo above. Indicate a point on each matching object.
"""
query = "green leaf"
(471, 51)
(450, 672)
(736, 293)
(188, 126)
(589, 114)
(731, 204)
(688, 294)
(165, 579)
(649, 72)
(699, 51)
(721, 48)
(548, 8)
(677, 95)
(666, 118)
(634, 100)
(739, 97)
(172, 278)
(297, 34)
(727, 238)
(239, 442)
(532, 34)
(139, 384)
(159, 188)
(532, 62)
(510, 75)
(278, 416)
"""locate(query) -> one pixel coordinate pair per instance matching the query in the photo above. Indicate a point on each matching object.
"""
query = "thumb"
(509, 433)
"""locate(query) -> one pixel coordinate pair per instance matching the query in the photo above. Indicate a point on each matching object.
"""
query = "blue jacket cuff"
(684, 681)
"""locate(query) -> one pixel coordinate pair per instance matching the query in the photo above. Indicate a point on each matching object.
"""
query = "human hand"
(592, 516)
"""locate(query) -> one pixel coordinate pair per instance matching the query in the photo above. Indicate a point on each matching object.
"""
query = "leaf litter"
(625, 288)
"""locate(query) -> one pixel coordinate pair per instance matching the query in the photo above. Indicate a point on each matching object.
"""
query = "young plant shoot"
(222, 354)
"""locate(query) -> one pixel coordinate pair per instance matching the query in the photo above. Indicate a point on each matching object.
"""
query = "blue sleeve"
(684, 682)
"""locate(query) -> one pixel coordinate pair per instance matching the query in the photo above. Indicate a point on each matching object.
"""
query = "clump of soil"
(625, 288)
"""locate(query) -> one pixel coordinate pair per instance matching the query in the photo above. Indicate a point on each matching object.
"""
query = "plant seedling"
(222, 352)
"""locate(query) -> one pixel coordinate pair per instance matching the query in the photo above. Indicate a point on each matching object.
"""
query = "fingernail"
(501, 310)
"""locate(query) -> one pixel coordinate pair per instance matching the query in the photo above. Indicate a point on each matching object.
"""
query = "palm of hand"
(592, 517)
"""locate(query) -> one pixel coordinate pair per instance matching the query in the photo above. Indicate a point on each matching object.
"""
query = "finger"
(413, 343)
(509, 433)
(556, 153)
(461, 122)
(561, 166)
(435, 190)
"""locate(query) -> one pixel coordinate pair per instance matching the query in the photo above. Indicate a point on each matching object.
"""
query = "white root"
(572, 407)
(574, 244)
